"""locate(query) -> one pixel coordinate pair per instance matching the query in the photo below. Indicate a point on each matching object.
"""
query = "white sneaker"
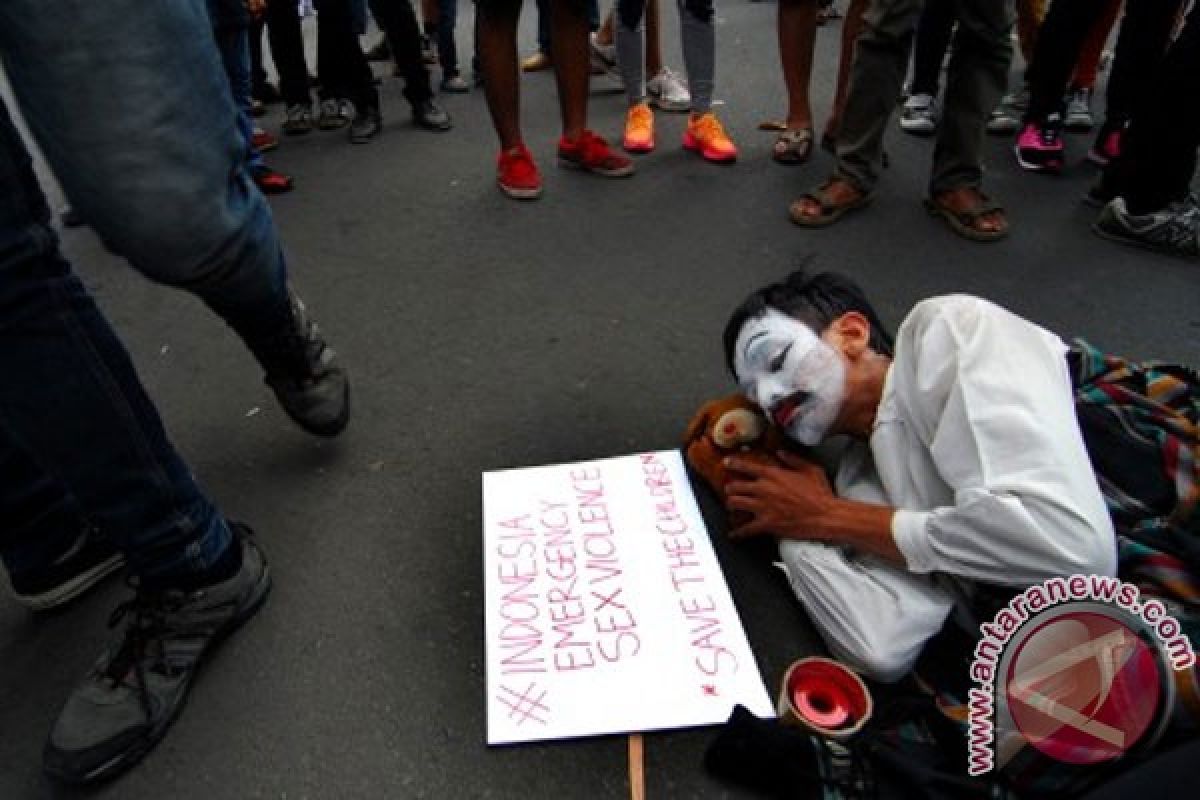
(920, 115)
(667, 92)
(604, 58)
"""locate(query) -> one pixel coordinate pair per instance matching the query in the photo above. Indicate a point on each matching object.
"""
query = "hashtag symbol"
(524, 706)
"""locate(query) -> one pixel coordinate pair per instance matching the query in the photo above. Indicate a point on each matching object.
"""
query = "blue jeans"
(234, 46)
(133, 110)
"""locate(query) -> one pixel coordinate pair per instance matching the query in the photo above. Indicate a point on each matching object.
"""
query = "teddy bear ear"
(737, 427)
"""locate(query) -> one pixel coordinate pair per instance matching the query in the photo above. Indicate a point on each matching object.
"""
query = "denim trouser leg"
(72, 401)
(234, 46)
(132, 109)
(39, 521)
(447, 47)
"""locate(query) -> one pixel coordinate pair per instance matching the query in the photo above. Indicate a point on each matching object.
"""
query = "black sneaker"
(430, 116)
(301, 370)
(1175, 230)
(366, 126)
(334, 113)
(138, 687)
(91, 559)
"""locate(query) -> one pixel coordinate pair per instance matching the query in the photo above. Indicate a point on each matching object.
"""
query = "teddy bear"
(729, 426)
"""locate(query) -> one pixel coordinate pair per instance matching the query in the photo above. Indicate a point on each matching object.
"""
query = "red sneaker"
(271, 181)
(262, 141)
(591, 153)
(517, 175)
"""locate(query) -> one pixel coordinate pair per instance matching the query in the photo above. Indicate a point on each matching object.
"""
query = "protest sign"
(606, 609)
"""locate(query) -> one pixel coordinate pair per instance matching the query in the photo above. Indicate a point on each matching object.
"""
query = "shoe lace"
(142, 643)
(710, 129)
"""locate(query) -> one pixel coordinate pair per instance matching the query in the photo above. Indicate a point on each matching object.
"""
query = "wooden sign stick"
(637, 768)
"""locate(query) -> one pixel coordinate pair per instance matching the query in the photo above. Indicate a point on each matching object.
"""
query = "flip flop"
(964, 221)
(793, 146)
(831, 211)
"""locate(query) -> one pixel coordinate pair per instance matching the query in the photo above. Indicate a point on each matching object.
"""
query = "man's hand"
(795, 501)
(785, 501)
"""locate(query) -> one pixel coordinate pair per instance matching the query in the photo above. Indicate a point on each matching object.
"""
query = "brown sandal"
(831, 210)
(965, 221)
(793, 146)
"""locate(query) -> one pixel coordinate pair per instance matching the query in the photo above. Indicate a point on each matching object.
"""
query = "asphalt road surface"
(482, 333)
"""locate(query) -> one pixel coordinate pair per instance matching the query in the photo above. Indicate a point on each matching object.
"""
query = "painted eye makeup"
(780, 359)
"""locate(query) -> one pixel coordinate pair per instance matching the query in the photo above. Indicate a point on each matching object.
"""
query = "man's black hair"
(815, 300)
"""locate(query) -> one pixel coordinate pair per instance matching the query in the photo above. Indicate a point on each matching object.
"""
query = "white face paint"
(797, 379)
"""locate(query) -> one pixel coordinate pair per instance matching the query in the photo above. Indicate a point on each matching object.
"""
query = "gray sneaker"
(335, 113)
(297, 120)
(1079, 111)
(920, 115)
(1174, 230)
(1006, 118)
(667, 92)
(138, 687)
(302, 371)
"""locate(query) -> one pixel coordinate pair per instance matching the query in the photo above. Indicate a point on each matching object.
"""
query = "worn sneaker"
(919, 115)
(138, 687)
(432, 117)
(1174, 230)
(667, 92)
(639, 129)
(366, 125)
(91, 559)
(1079, 111)
(1107, 145)
(604, 59)
(704, 135)
(537, 62)
(517, 175)
(303, 372)
(591, 153)
(334, 113)
(297, 120)
(1040, 146)
(1006, 117)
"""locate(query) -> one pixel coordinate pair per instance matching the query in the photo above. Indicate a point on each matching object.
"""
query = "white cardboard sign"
(606, 609)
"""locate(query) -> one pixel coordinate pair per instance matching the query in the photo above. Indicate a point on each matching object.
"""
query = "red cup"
(824, 696)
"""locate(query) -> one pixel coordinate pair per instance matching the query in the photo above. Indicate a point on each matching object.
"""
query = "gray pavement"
(481, 333)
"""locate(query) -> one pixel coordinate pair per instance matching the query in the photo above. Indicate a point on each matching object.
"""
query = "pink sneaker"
(1040, 146)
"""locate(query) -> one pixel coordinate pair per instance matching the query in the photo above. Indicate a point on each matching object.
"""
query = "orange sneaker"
(705, 136)
(639, 129)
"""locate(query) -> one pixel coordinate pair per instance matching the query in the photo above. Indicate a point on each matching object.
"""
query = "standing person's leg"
(1083, 80)
(71, 382)
(578, 147)
(287, 51)
(934, 30)
(448, 47)
(978, 74)
(399, 22)
(496, 42)
(1151, 178)
(796, 32)
(50, 551)
(163, 181)
(345, 72)
(1040, 145)
(1145, 33)
(705, 133)
(541, 59)
(665, 90)
(852, 27)
(876, 83)
(630, 36)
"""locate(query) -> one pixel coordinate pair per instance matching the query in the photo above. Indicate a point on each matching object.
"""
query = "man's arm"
(797, 502)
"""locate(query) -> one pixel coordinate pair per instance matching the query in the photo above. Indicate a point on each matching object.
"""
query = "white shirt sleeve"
(989, 394)
(873, 616)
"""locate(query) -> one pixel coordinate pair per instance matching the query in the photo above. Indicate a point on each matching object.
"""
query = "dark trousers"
(934, 30)
(341, 64)
(1158, 153)
(399, 23)
(287, 50)
(1144, 32)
